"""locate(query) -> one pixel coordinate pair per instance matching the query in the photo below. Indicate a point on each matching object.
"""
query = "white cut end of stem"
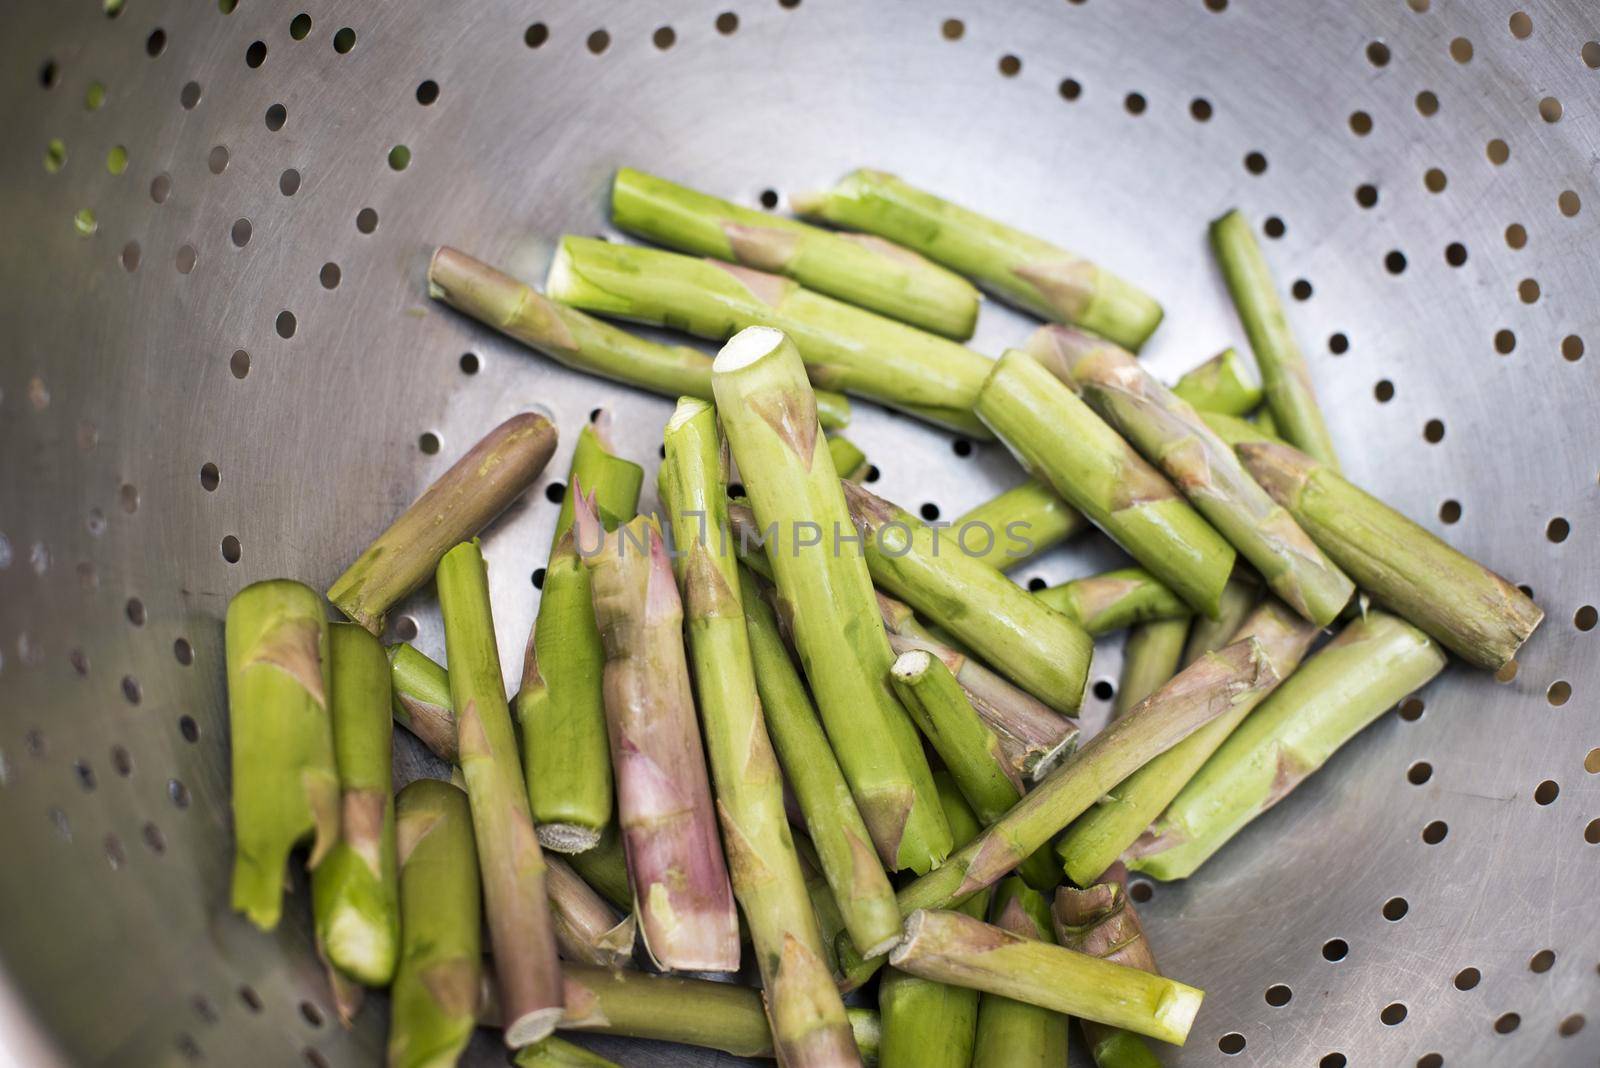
(908, 935)
(745, 347)
(561, 283)
(910, 665)
(530, 1027)
(567, 837)
(687, 409)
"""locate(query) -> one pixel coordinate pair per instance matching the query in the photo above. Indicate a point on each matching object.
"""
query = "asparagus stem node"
(421, 700)
(1115, 600)
(1221, 384)
(1101, 922)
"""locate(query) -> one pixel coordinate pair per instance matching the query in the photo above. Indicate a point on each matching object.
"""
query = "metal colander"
(218, 363)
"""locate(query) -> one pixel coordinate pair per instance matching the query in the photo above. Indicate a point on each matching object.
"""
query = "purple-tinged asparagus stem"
(1100, 921)
(1012, 1034)
(421, 690)
(587, 929)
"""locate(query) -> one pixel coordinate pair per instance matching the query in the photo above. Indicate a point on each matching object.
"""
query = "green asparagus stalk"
(1101, 922)
(1370, 665)
(605, 869)
(830, 921)
(766, 409)
(1018, 525)
(1467, 608)
(1012, 1034)
(434, 999)
(1172, 435)
(1098, 837)
(867, 1026)
(848, 459)
(1221, 384)
(1039, 649)
(1056, 435)
(520, 928)
(354, 891)
(458, 504)
(1115, 600)
(556, 1052)
(560, 709)
(586, 928)
(668, 1008)
(1197, 695)
(669, 827)
(421, 700)
(866, 271)
(1285, 377)
(1016, 267)
(844, 347)
(1239, 598)
(807, 1015)
(579, 341)
(1152, 655)
(954, 948)
(856, 879)
(1262, 418)
(285, 777)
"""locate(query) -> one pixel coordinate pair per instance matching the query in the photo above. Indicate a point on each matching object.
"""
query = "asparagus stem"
(1033, 738)
(866, 271)
(955, 948)
(807, 1016)
(354, 891)
(605, 869)
(556, 1052)
(1012, 1034)
(285, 777)
(1018, 525)
(1263, 420)
(560, 707)
(1285, 377)
(867, 1026)
(520, 928)
(669, 828)
(1152, 655)
(830, 921)
(848, 459)
(1057, 436)
(1197, 695)
(434, 999)
(668, 1008)
(1239, 598)
(1040, 649)
(1115, 600)
(459, 504)
(1016, 267)
(1467, 608)
(964, 742)
(1370, 665)
(1221, 384)
(586, 928)
(1172, 435)
(1100, 921)
(421, 700)
(844, 347)
(766, 409)
(1098, 837)
(856, 879)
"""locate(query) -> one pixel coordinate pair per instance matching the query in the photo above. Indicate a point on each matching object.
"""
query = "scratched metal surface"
(136, 355)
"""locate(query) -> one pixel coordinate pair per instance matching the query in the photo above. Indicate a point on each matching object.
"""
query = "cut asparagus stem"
(587, 930)
(579, 341)
(955, 948)
(848, 459)
(1197, 695)
(867, 1027)
(1056, 435)
(1012, 1034)
(1221, 384)
(1018, 525)
(803, 1005)
(421, 698)
(668, 1008)
(1100, 921)
(1152, 655)
(766, 408)
(830, 921)
(434, 999)
(354, 891)
(1264, 420)
(285, 778)
(669, 827)
(1033, 738)
(1016, 267)
(1285, 377)
(556, 1052)
(844, 347)
(560, 708)
(519, 923)
(1115, 600)
(1469, 609)
(605, 869)
(1172, 435)
(1039, 649)
(1239, 598)
(865, 271)
(1098, 837)
(1366, 669)
(459, 504)
(856, 878)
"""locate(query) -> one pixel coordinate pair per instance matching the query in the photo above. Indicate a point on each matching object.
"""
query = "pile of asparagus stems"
(801, 728)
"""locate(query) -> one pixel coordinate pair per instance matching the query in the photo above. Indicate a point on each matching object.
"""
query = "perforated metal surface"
(165, 439)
